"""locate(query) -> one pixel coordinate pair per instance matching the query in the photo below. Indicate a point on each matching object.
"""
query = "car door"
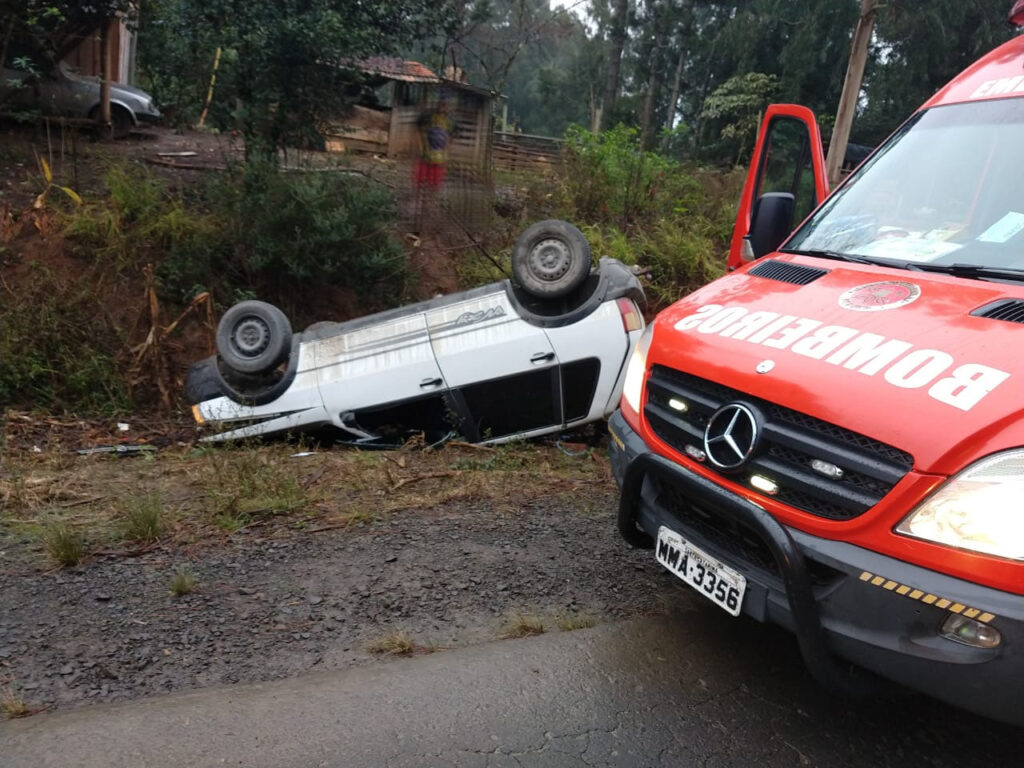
(380, 372)
(502, 371)
(788, 160)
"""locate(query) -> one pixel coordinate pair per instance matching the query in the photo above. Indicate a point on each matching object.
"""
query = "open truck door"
(786, 181)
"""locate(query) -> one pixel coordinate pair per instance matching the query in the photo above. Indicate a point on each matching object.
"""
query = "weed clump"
(142, 517)
(394, 644)
(182, 582)
(65, 546)
(523, 626)
(573, 621)
(12, 703)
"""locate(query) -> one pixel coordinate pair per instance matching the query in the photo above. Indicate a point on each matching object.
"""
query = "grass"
(247, 483)
(523, 626)
(64, 502)
(573, 621)
(142, 517)
(393, 644)
(12, 703)
(65, 546)
(182, 582)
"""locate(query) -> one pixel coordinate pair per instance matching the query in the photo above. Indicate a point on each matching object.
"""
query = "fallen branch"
(474, 446)
(127, 552)
(331, 527)
(81, 502)
(312, 479)
(428, 476)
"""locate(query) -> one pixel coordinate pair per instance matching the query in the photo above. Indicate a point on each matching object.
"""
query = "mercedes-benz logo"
(730, 436)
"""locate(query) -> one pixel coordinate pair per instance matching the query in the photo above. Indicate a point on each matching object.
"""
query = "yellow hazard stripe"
(616, 438)
(925, 597)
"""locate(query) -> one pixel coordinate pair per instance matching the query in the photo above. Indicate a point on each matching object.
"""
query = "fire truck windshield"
(946, 189)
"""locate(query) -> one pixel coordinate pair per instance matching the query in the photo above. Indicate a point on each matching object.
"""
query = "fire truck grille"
(730, 536)
(816, 466)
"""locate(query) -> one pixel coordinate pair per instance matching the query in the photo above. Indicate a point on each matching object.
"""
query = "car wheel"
(551, 259)
(121, 121)
(253, 337)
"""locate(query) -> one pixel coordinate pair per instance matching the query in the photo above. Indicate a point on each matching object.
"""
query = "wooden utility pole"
(108, 73)
(851, 90)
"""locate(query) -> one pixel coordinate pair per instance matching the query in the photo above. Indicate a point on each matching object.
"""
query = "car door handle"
(542, 357)
(431, 383)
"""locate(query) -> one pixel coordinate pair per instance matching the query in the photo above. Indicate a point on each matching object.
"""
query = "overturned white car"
(503, 361)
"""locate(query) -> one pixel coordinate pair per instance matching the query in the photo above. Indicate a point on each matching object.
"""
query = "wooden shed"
(85, 56)
(405, 91)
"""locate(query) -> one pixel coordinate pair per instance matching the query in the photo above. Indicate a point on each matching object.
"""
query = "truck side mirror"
(771, 222)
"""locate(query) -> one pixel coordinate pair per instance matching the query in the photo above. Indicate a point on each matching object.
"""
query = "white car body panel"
(576, 342)
(468, 357)
(501, 343)
(378, 364)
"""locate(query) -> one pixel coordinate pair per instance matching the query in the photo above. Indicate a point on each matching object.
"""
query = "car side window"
(787, 165)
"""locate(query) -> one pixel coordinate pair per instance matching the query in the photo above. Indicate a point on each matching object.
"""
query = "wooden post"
(105, 80)
(851, 91)
(209, 92)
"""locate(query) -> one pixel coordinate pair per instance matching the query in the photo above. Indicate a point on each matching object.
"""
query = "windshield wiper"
(830, 255)
(975, 271)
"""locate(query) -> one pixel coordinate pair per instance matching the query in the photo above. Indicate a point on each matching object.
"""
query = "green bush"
(267, 230)
(643, 208)
(66, 344)
(252, 230)
(57, 349)
(608, 178)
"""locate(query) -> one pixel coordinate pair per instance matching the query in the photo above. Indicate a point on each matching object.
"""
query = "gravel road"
(268, 608)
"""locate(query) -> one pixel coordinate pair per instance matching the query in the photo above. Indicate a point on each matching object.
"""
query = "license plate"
(716, 581)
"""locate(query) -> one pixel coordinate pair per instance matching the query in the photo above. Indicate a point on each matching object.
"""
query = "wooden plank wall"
(523, 152)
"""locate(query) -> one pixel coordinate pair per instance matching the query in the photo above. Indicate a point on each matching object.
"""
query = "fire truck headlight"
(978, 509)
(633, 385)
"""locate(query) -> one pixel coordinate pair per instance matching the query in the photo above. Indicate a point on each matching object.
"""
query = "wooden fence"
(523, 152)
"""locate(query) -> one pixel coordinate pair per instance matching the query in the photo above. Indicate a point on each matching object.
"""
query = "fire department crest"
(873, 297)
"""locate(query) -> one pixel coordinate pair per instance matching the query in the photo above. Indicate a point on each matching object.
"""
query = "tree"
(739, 103)
(290, 62)
(491, 35)
(616, 42)
(925, 45)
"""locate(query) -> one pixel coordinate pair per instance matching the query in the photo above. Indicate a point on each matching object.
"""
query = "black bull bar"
(826, 668)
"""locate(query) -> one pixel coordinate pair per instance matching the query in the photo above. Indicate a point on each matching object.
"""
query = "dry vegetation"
(394, 644)
(12, 703)
(522, 625)
(69, 507)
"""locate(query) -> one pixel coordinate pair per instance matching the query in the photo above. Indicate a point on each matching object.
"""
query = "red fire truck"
(831, 437)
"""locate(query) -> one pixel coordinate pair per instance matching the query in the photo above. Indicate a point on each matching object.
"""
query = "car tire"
(253, 337)
(551, 259)
(121, 120)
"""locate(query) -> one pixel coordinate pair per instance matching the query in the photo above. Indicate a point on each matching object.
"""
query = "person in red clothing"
(436, 128)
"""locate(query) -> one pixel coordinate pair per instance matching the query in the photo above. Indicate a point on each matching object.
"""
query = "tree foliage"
(738, 104)
(285, 65)
(650, 64)
(678, 54)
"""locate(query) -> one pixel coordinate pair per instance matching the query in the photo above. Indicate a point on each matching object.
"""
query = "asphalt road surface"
(694, 688)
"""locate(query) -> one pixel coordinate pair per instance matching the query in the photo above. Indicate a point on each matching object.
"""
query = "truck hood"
(916, 360)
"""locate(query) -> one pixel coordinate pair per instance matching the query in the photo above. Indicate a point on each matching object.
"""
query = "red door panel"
(788, 157)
